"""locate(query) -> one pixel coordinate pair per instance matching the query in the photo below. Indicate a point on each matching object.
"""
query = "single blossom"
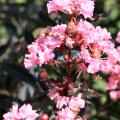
(76, 103)
(61, 101)
(41, 50)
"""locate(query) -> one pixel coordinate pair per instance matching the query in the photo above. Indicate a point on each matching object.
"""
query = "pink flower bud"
(67, 58)
(43, 75)
(44, 117)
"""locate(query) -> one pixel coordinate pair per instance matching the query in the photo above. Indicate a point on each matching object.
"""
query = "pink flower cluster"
(97, 50)
(41, 51)
(84, 7)
(68, 107)
(23, 113)
(94, 42)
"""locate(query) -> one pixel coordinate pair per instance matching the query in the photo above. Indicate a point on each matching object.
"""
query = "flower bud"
(78, 38)
(59, 118)
(76, 60)
(67, 58)
(43, 75)
(44, 117)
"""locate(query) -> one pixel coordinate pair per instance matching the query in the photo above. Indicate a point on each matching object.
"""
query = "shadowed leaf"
(6, 101)
(19, 72)
(46, 20)
(3, 48)
(28, 37)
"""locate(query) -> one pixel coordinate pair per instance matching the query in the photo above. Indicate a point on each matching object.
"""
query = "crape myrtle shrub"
(73, 64)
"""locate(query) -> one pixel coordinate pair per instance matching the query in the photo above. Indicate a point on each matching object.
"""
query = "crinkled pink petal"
(53, 94)
(62, 100)
(84, 7)
(66, 114)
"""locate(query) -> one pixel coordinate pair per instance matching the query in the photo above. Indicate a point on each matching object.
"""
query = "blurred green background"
(20, 22)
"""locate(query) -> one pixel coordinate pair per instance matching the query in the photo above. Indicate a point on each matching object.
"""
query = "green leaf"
(18, 72)
(99, 84)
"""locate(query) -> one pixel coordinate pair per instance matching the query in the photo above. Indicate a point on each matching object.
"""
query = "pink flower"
(82, 67)
(96, 42)
(86, 29)
(73, 107)
(41, 51)
(53, 95)
(106, 66)
(113, 86)
(58, 5)
(58, 30)
(113, 81)
(69, 42)
(94, 66)
(84, 7)
(93, 34)
(103, 34)
(30, 60)
(66, 114)
(76, 103)
(45, 55)
(116, 69)
(25, 112)
(85, 55)
(118, 37)
(115, 95)
(13, 114)
(62, 100)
